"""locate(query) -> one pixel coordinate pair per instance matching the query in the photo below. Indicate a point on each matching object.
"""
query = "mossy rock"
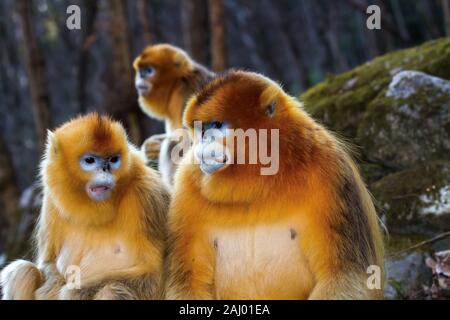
(415, 200)
(409, 122)
(340, 101)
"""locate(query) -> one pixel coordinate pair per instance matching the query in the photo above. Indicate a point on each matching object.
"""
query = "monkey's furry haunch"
(165, 78)
(310, 231)
(103, 218)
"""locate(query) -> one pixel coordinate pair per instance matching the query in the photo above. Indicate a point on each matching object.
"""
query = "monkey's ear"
(52, 143)
(183, 62)
(270, 109)
(269, 100)
(136, 63)
(178, 60)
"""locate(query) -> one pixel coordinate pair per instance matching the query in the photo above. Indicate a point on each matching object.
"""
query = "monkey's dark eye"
(89, 160)
(214, 129)
(217, 125)
(214, 125)
(114, 159)
(146, 71)
(114, 162)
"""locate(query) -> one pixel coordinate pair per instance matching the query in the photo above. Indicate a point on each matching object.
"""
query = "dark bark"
(9, 194)
(143, 9)
(217, 26)
(432, 27)
(121, 98)
(35, 66)
(194, 21)
(88, 37)
(386, 23)
(333, 33)
(400, 19)
(446, 12)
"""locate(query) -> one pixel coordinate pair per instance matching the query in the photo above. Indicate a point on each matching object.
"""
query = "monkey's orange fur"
(176, 78)
(308, 232)
(117, 243)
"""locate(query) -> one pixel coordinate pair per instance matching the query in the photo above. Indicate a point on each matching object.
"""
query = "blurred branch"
(90, 9)
(9, 191)
(36, 73)
(218, 41)
(194, 21)
(121, 99)
(439, 237)
(446, 12)
(398, 14)
(386, 23)
(143, 10)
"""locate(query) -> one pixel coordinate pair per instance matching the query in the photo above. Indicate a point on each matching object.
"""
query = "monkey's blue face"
(142, 81)
(102, 182)
(210, 149)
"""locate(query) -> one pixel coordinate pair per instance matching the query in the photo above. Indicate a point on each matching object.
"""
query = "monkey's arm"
(151, 146)
(54, 282)
(191, 269)
(347, 234)
(46, 258)
(19, 280)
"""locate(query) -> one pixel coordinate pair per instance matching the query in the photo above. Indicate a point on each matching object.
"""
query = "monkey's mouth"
(98, 189)
(99, 192)
(211, 165)
(142, 87)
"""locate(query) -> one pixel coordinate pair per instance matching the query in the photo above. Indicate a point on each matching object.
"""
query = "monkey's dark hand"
(151, 147)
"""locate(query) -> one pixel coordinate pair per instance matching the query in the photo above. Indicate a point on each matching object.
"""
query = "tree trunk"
(386, 23)
(143, 9)
(446, 12)
(35, 66)
(400, 19)
(88, 37)
(194, 21)
(218, 40)
(9, 195)
(121, 101)
(432, 27)
(332, 36)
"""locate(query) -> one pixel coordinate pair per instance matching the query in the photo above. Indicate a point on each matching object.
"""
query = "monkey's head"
(232, 119)
(158, 68)
(86, 160)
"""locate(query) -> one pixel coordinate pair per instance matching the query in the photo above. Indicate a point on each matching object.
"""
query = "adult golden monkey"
(165, 78)
(308, 230)
(102, 228)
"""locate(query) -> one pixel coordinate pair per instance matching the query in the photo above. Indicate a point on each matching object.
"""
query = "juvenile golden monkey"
(306, 230)
(103, 220)
(165, 78)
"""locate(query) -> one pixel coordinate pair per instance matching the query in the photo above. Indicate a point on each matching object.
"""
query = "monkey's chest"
(262, 262)
(93, 258)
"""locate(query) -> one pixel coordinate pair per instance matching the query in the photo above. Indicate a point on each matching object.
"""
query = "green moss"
(411, 200)
(395, 243)
(341, 100)
(401, 132)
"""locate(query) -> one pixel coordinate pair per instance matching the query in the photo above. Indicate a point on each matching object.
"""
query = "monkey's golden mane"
(317, 199)
(60, 169)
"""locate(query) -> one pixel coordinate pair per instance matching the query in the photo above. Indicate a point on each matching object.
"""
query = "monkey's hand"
(191, 278)
(54, 281)
(20, 280)
(151, 147)
(145, 287)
